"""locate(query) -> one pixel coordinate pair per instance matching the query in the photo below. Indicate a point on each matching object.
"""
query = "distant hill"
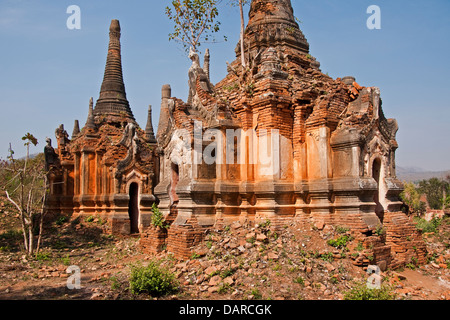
(414, 174)
(32, 156)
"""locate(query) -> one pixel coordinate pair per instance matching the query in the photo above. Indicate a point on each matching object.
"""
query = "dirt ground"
(296, 264)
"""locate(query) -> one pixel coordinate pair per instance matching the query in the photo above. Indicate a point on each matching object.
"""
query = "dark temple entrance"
(376, 174)
(133, 208)
(175, 177)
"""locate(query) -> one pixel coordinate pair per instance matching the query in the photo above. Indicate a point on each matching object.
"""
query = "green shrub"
(380, 230)
(428, 226)
(251, 240)
(359, 247)
(411, 266)
(157, 219)
(194, 256)
(334, 280)
(152, 279)
(327, 256)
(300, 280)
(11, 235)
(61, 220)
(66, 260)
(227, 273)
(361, 292)
(223, 288)
(42, 256)
(115, 283)
(256, 294)
(340, 242)
(265, 224)
(340, 229)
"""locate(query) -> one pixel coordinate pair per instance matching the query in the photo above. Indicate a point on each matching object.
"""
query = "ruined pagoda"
(107, 168)
(307, 148)
(277, 140)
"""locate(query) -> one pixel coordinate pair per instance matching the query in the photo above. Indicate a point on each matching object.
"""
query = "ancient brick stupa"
(107, 168)
(303, 146)
(275, 140)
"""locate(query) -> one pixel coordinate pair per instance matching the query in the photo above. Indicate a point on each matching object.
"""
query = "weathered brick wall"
(153, 240)
(407, 245)
(182, 238)
(376, 252)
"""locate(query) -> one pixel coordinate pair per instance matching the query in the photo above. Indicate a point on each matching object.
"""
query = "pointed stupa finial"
(115, 26)
(149, 133)
(76, 129)
(113, 99)
(272, 23)
(90, 122)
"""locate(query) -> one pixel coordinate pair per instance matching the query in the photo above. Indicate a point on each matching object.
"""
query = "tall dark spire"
(90, 123)
(76, 129)
(272, 23)
(149, 133)
(113, 99)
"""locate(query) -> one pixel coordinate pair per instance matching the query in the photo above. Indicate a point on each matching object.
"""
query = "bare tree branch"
(26, 199)
(195, 21)
(12, 201)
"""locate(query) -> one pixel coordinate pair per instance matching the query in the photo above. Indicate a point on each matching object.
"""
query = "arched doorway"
(133, 208)
(175, 177)
(376, 174)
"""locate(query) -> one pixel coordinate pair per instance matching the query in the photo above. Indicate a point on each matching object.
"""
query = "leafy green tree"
(446, 194)
(447, 202)
(195, 21)
(411, 197)
(436, 191)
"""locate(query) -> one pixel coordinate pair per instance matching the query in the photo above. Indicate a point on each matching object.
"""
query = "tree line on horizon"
(433, 193)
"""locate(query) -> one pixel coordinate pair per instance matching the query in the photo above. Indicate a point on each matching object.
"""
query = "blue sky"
(48, 72)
